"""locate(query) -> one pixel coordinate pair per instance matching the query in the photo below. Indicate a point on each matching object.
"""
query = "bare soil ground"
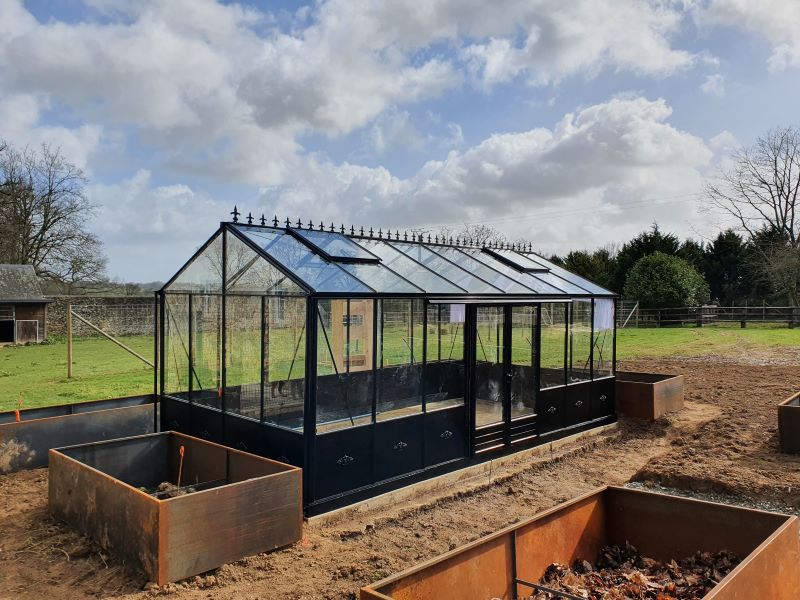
(723, 442)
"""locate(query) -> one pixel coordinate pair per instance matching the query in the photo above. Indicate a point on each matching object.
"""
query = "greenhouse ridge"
(327, 260)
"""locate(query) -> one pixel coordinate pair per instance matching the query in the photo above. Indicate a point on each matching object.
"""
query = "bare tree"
(760, 191)
(43, 215)
(478, 234)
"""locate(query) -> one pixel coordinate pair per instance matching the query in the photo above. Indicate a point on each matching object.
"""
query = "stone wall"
(116, 315)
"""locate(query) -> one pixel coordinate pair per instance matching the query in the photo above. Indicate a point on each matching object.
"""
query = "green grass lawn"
(103, 370)
(100, 370)
(693, 341)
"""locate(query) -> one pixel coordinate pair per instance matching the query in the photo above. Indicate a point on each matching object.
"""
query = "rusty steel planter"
(789, 424)
(24, 444)
(660, 526)
(245, 504)
(648, 395)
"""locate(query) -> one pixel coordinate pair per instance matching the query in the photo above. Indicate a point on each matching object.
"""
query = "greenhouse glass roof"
(273, 259)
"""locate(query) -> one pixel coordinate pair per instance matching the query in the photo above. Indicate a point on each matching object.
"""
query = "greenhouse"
(376, 359)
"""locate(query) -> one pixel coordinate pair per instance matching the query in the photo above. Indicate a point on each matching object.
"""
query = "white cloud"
(20, 115)
(134, 217)
(724, 141)
(776, 21)
(561, 39)
(605, 163)
(395, 130)
(224, 90)
(714, 85)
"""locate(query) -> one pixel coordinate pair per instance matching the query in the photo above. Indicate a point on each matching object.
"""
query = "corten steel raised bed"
(648, 395)
(789, 425)
(24, 444)
(243, 504)
(660, 526)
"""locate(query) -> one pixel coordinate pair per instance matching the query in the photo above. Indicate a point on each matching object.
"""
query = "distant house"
(23, 308)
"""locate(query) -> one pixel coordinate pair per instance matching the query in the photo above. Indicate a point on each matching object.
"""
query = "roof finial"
(352, 230)
(310, 225)
(275, 221)
(299, 224)
(379, 233)
(405, 236)
(263, 220)
(288, 224)
(370, 232)
(397, 234)
(361, 231)
(249, 218)
(341, 229)
(235, 214)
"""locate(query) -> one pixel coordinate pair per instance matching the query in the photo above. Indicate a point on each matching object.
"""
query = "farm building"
(23, 308)
(375, 360)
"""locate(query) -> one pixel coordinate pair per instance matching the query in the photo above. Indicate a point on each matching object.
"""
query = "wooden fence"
(630, 315)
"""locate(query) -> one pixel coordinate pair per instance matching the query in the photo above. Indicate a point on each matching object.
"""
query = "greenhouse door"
(504, 376)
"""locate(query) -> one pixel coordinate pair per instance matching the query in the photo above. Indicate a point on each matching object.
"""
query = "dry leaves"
(621, 573)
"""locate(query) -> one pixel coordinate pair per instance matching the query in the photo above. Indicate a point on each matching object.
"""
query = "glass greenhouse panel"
(336, 245)
(380, 279)
(284, 361)
(444, 369)
(417, 274)
(203, 275)
(603, 349)
(344, 364)
(451, 272)
(581, 282)
(536, 285)
(489, 365)
(296, 258)
(464, 259)
(523, 360)
(248, 273)
(176, 344)
(522, 261)
(206, 350)
(553, 344)
(580, 341)
(243, 355)
(401, 356)
(557, 282)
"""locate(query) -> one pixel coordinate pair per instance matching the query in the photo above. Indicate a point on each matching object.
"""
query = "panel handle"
(345, 460)
(579, 403)
(446, 434)
(400, 446)
(552, 410)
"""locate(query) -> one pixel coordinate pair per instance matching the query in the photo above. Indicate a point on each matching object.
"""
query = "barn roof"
(19, 284)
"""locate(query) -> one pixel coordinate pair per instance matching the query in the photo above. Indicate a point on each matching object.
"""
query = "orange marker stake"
(16, 413)
(19, 408)
(180, 466)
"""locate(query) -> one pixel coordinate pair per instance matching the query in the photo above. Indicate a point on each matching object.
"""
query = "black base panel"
(369, 491)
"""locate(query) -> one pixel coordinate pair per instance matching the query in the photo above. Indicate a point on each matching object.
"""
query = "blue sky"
(573, 125)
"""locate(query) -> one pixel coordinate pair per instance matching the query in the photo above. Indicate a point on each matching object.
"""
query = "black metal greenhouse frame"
(356, 462)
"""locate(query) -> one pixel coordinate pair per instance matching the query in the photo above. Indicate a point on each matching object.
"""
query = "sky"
(570, 124)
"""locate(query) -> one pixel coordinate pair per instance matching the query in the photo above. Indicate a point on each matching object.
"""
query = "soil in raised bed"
(621, 572)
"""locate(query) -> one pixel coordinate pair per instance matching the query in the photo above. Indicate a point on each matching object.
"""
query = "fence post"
(69, 340)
